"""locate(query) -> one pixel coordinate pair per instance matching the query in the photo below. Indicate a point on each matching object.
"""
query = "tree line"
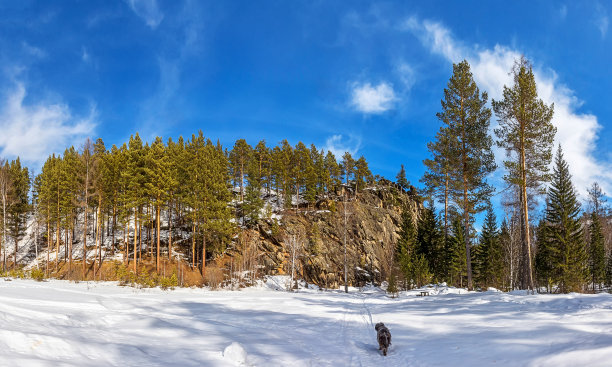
(568, 248)
(203, 191)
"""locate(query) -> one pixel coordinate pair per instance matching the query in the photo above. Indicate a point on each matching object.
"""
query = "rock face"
(313, 239)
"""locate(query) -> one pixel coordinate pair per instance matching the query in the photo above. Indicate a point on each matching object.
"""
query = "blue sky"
(358, 76)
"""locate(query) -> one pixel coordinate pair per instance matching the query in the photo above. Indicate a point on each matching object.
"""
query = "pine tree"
(158, 185)
(5, 184)
(466, 118)
(597, 251)
(526, 132)
(19, 204)
(347, 167)
(597, 199)
(363, 175)
(564, 231)
(333, 173)
(239, 159)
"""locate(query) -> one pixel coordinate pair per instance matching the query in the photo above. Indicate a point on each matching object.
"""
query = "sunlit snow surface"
(59, 323)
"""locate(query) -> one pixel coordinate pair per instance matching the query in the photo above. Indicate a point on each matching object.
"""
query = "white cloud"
(33, 50)
(602, 24)
(369, 99)
(576, 131)
(406, 74)
(338, 145)
(34, 131)
(85, 56)
(148, 10)
(563, 12)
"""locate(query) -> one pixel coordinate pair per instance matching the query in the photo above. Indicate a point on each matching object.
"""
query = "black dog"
(383, 336)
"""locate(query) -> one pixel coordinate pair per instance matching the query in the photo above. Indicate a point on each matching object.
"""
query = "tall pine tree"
(466, 118)
(526, 132)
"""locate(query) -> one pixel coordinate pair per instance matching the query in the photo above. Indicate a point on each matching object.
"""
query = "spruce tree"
(430, 242)
(544, 267)
(406, 244)
(437, 178)
(401, 180)
(455, 254)
(489, 255)
(526, 132)
(608, 280)
(564, 231)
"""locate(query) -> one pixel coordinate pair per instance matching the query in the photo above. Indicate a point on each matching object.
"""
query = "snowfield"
(58, 323)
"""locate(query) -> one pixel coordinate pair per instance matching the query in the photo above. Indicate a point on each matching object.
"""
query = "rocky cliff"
(313, 239)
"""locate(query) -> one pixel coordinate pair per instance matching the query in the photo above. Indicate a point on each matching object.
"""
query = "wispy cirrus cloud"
(371, 99)
(338, 145)
(577, 132)
(33, 131)
(148, 10)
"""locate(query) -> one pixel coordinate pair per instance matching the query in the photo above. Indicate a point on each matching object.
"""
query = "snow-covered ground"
(58, 323)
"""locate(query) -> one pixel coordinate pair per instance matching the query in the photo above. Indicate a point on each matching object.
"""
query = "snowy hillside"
(58, 323)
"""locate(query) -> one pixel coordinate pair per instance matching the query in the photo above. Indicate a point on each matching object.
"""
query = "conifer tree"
(437, 179)
(597, 251)
(19, 204)
(158, 185)
(564, 231)
(597, 199)
(608, 280)
(526, 132)
(239, 159)
(406, 245)
(347, 167)
(333, 172)
(135, 190)
(401, 180)
(5, 183)
(430, 242)
(466, 119)
(544, 267)
(363, 175)
(455, 254)
(489, 254)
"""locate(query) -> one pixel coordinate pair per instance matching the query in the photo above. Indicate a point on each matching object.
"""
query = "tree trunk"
(203, 255)
(48, 242)
(113, 231)
(135, 239)
(157, 235)
(99, 235)
(170, 231)
(70, 246)
(528, 273)
(126, 242)
(193, 243)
